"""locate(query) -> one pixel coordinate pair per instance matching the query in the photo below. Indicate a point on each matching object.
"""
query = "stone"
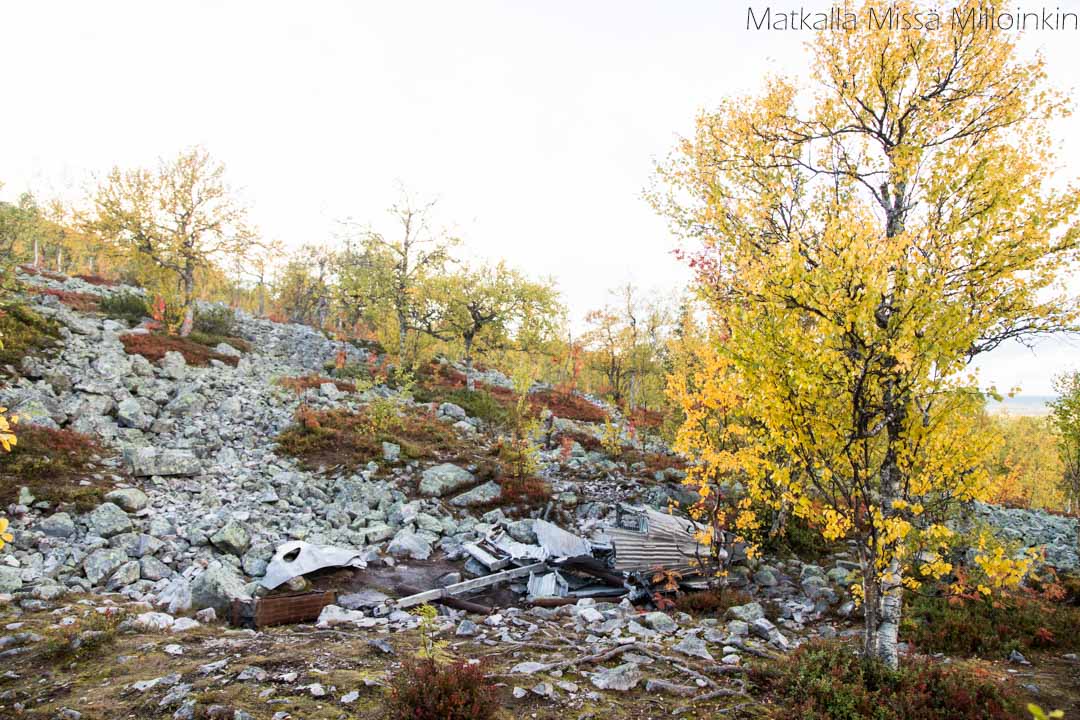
(443, 479)
(174, 365)
(147, 461)
(216, 588)
(58, 525)
(100, 564)
(467, 628)
(408, 544)
(129, 499)
(747, 613)
(153, 621)
(660, 622)
(224, 348)
(152, 569)
(694, 646)
(206, 615)
(766, 577)
(124, 575)
(391, 452)
(621, 678)
(107, 519)
(129, 413)
(232, 538)
(10, 579)
(450, 410)
(480, 495)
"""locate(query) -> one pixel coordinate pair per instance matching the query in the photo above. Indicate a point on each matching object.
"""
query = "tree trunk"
(403, 345)
(470, 383)
(189, 304)
(37, 253)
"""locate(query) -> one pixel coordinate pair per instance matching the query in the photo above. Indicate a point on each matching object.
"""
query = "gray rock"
(694, 646)
(450, 410)
(59, 525)
(391, 452)
(147, 461)
(174, 365)
(129, 499)
(130, 414)
(747, 613)
(443, 479)
(107, 519)
(480, 495)
(660, 622)
(10, 579)
(216, 588)
(150, 568)
(408, 544)
(232, 538)
(622, 678)
(102, 563)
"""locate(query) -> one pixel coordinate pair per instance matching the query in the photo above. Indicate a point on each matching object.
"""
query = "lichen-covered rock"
(444, 479)
(107, 519)
(102, 563)
(216, 588)
(129, 499)
(480, 495)
(232, 538)
(147, 461)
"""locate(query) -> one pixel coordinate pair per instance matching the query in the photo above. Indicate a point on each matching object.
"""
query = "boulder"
(107, 519)
(102, 563)
(480, 495)
(147, 461)
(58, 525)
(216, 588)
(10, 579)
(129, 499)
(232, 538)
(408, 544)
(747, 613)
(174, 365)
(443, 479)
(621, 678)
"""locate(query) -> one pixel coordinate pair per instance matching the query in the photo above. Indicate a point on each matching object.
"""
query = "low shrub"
(212, 341)
(83, 638)
(477, 403)
(153, 347)
(42, 272)
(425, 689)
(215, 320)
(83, 302)
(52, 463)
(125, 306)
(567, 405)
(24, 332)
(98, 280)
(830, 681)
(523, 494)
(711, 603)
(989, 626)
(352, 439)
(309, 382)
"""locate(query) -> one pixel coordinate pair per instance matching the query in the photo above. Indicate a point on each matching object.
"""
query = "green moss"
(125, 306)
(23, 332)
(211, 341)
(53, 464)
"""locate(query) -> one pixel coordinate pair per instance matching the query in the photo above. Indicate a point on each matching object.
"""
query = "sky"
(535, 123)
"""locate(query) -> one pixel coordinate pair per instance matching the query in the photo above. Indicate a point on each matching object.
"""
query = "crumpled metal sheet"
(547, 585)
(296, 558)
(518, 550)
(558, 542)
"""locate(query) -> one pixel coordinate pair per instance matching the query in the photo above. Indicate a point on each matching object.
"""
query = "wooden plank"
(467, 586)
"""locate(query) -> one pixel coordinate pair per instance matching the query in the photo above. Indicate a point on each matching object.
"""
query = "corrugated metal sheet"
(645, 539)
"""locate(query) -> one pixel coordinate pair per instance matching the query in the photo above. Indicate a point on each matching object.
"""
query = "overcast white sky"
(536, 123)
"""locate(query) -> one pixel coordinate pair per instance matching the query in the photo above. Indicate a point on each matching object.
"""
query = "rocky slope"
(198, 500)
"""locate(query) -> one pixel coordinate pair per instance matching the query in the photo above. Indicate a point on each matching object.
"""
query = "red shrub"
(98, 280)
(153, 347)
(307, 382)
(567, 405)
(83, 302)
(427, 690)
(41, 272)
